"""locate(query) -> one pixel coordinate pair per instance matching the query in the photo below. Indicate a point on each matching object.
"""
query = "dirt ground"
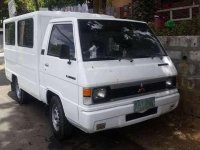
(26, 128)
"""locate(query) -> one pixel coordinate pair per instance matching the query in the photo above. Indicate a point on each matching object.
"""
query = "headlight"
(99, 95)
(95, 95)
(168, 83)
(171, 82)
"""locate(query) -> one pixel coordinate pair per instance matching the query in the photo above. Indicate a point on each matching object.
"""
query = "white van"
(95, 71)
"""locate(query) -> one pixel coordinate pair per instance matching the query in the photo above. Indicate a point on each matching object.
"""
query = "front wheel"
(60, 125)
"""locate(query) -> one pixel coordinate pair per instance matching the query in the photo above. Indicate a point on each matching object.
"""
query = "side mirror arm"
(69, 62)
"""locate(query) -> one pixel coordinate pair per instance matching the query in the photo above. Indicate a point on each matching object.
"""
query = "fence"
(187, 12)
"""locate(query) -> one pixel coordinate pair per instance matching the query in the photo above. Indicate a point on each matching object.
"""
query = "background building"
(178, 10)
(120, 8)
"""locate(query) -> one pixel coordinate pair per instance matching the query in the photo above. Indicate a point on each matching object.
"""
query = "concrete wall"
(1, 41)
(185, 53)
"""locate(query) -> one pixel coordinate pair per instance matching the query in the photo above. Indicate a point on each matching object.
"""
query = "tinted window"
(110, 40)
(10, 33)
(25, 33)
(61, 36)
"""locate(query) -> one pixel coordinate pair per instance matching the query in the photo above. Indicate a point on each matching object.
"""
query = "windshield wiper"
(156, 55)
(102, 58)
(150, 56)
(130, 59)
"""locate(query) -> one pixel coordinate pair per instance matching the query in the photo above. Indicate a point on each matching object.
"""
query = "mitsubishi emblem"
(141, 89)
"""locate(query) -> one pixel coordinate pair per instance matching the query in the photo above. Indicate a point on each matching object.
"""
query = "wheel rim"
(55, 118)
(18, 91)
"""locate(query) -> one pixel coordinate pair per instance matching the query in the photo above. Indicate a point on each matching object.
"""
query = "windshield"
(110, 40)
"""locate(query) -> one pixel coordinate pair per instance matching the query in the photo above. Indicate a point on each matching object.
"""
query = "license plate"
(144, 104)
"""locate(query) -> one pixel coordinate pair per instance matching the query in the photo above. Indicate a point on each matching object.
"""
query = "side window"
(10, 33)
(25, 33)
(61, 36)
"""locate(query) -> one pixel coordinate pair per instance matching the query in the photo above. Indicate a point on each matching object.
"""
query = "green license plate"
(144, 104)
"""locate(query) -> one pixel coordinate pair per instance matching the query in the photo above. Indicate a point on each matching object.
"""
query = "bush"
(189, 27)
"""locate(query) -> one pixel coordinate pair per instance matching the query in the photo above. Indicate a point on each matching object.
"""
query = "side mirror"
(64, 52)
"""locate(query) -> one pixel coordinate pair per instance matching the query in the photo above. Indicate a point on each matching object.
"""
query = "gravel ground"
(27, 128)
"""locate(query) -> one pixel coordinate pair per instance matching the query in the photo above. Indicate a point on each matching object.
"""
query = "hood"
(105, 73)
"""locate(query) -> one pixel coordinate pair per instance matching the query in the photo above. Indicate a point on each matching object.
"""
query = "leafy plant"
(144, 10)
(187, 27)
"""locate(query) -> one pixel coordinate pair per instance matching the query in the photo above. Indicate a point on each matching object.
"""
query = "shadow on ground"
(107, 140)
(3, 81)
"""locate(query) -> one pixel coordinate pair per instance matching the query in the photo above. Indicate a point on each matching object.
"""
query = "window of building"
(10, 33)
(25, 33)
(61, 36)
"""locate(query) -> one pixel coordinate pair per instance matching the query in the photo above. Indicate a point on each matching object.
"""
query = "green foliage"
(26, 6)
(61, 3)
(109, 3)
(144, 10)
(3, 11)
(189, 27)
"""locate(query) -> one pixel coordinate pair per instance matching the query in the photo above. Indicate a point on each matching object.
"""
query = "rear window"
(25, 33)
(10, 33)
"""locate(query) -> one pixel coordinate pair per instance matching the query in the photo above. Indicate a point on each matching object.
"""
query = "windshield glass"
(110, 40)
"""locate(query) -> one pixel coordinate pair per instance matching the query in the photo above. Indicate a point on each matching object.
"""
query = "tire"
(20, 94)
(60, 125)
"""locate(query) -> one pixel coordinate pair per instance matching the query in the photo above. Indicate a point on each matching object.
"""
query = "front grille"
(134, 90)
(133, 116)
(129, 90)
(138, 90)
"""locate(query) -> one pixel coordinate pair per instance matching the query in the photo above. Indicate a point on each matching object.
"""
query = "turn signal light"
(87, 92)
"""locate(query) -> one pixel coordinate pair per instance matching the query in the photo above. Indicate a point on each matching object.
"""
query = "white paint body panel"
(29, 66)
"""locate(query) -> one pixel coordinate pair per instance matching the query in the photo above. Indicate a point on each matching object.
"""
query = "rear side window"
(25, 33)
(61, 35)
(10, 33)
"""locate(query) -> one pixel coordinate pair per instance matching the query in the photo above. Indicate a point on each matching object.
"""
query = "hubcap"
(18, 91)
(55, 118)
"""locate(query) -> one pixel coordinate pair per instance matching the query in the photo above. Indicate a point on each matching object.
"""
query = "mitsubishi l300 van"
(96, 72)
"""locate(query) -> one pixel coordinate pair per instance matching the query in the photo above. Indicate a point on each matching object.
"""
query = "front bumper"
(115, 117)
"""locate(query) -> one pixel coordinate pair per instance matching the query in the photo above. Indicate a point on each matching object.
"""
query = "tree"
(26, 6)
(36, 4)
(144, 10)
(3, 12)
(61, 3)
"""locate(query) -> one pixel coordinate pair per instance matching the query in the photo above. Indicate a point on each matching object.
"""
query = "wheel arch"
(13, 78)
(50, 94)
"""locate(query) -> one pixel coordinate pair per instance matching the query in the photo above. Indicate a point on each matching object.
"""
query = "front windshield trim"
(97, 25)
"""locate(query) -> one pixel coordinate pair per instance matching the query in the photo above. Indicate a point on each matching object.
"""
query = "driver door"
(58, 73)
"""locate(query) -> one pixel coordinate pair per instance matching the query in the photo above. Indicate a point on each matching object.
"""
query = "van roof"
(60, 14)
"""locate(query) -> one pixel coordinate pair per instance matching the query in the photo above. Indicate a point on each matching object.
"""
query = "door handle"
(46, 65)
(164, 64)
(42, 52)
